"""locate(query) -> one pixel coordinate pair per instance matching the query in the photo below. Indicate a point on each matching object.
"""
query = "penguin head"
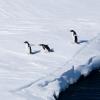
(26, 42)
(72, 31)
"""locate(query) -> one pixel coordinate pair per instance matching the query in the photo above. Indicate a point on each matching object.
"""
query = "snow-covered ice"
(42, 75)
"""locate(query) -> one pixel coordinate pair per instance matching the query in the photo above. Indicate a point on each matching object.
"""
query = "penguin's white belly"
(45, 51)
(27, 49)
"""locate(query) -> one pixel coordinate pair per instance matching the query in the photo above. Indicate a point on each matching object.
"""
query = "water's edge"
(86, 88)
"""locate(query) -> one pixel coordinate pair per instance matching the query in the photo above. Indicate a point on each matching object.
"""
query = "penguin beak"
(39, 44)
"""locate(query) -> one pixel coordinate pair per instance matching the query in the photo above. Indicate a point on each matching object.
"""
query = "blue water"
(85, 89)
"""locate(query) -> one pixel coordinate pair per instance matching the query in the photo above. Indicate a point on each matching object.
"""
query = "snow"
(42, 75)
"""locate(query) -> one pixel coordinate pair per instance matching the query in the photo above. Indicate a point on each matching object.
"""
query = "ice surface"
(42, 75)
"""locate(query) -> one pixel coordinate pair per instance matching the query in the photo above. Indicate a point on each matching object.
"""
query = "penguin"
(75, 36)
(28, 47)
(46, 47)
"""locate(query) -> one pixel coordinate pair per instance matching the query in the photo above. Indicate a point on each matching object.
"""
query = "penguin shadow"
(35, 52)
(83, 41)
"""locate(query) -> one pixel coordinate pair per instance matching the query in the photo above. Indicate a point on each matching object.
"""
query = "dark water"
(85, 89)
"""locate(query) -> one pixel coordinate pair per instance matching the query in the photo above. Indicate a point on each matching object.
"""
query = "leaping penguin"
(28, 47)
(75, 36)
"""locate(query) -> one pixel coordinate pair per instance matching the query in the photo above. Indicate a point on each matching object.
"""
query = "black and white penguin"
(28, 47)
(46, 47)
(75, 36)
